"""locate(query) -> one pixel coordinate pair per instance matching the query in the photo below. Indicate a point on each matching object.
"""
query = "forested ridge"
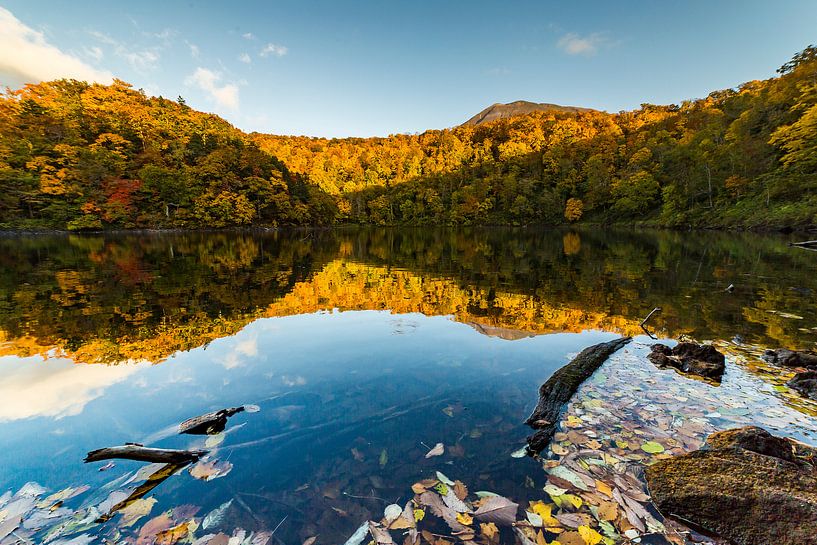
(87, 156)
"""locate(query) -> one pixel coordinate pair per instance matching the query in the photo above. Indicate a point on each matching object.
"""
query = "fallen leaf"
(213, 469)
(443, 479)
(465, 518)
(652, 447)
(498, 510)
(136, 510)
(214, 517)
(381, 535)
(489, 530)
(438, 450)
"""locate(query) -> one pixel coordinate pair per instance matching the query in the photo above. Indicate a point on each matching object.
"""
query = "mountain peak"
(518, 107)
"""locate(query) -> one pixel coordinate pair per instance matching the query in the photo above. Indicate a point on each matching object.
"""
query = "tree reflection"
(144, 297)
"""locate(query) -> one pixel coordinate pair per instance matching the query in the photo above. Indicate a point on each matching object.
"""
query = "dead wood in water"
(559, 388)
(145, 454)
(209, 423)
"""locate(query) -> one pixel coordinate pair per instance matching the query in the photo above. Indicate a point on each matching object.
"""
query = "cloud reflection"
(55, 388)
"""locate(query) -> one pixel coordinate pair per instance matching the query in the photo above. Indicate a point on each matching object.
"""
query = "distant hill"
(519, 107)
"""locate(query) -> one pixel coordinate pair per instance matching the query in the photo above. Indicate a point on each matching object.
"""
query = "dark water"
(363, 349)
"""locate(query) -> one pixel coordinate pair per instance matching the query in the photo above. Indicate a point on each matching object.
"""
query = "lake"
(361, 348)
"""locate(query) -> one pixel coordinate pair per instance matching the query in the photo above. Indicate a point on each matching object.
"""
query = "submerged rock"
(695, 359)
(805, 384)
(745, 485)
(790, 358)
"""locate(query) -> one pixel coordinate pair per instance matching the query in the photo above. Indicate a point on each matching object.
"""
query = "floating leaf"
(652, 447)
(568, 475)
(589, 535)
(213, 469)
(392, 512)
(438, 450)
(485, 494)
(498, 510)
(136, 510)
(214, 517)
(443, 479)
(384, 458)
(465, 519)
(173, 535)
(543, 510)
(419, 514)
(489, 530)
(381, 535)
(554, 490)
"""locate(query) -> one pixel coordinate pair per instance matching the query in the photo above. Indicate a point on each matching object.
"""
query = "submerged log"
(746, 485)
(210, 423)
(559, 388)
(145, 454)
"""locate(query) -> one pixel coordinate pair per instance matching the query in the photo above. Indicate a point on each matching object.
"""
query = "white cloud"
(574, 44)
(225, 95)
(194, 50)
(274, 49)
(95, 53)
(142, 61)
(245, 58)
(248, 36)
(27, 57)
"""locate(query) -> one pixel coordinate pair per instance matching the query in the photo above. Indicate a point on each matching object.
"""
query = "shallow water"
(362, 349)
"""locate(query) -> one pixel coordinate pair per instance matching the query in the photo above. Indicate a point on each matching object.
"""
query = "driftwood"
(145, 454)
(559, 388)
(209, 423)
(810, 245)
(643, 323)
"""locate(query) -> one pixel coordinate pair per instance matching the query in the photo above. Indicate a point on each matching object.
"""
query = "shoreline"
(770, 230)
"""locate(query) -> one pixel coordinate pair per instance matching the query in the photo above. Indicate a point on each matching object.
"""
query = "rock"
(754, 439)
(695, 359)
(745, 485)
(790, 358)
(805, 384)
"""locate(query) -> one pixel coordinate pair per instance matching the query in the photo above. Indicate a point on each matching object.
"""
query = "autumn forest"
(81, 156)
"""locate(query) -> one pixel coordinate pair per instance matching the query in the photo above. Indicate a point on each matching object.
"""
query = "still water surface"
(362, 349)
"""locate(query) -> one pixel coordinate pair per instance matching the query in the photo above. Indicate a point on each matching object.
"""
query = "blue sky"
(368, 68)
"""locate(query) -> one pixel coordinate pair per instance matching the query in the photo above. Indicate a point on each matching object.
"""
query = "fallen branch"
(209, 423)
(804, 243)
(145, 454)
(645, 320)
(559, 388)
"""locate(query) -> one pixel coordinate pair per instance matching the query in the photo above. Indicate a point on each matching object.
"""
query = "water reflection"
(145, 297)
(447, 348)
